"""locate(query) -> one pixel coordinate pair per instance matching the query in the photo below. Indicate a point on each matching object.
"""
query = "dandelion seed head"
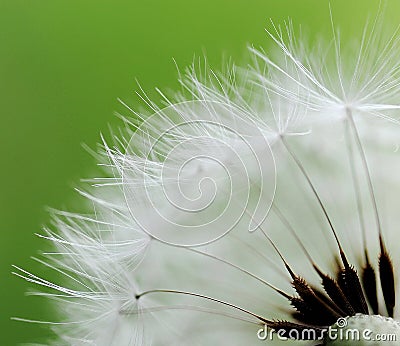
(260, 198)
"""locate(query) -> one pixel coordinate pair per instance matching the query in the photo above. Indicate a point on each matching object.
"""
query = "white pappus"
(258, 207)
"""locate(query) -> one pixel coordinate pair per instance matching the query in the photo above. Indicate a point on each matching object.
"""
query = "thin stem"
(262, 319)
(357, 190)
(253, 249)
(242, 270)
(311, 185)
(367, 172)
(187, 308)
(285, 221)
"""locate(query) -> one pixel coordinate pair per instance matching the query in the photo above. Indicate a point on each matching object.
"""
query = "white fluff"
(186, 201)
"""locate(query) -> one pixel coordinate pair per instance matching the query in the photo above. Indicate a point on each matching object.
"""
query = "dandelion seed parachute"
(245, 205)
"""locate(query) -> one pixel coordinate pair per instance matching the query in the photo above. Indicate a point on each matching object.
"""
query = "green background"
(63, 64)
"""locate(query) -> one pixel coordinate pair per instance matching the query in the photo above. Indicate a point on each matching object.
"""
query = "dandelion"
(260, 208)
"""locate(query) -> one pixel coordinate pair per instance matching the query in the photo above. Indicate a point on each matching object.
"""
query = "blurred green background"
(63, 64)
